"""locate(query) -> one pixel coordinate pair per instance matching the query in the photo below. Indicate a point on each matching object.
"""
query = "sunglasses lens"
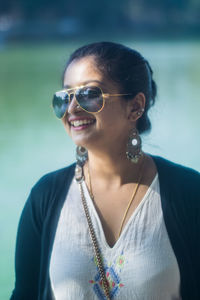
(60, 103)
(90, 98)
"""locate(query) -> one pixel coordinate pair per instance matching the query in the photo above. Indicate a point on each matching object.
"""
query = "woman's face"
(108, 127)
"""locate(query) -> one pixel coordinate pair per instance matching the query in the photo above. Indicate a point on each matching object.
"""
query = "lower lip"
(82, 127)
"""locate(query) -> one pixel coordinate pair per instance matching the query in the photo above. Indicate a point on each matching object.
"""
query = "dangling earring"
(134, 146)
(81, 155)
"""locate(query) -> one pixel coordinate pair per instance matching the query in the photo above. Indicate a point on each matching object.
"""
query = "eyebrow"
(84, 83)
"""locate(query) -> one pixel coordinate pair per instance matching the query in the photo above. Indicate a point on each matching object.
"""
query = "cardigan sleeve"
(180, 197)
(196, 228)
(29, 240)
(29, 237)
(44, 199)
(27, 255)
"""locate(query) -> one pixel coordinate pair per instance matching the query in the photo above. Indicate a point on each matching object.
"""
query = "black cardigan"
(180, 198)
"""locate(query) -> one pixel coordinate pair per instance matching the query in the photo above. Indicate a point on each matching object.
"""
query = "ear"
(136, 107)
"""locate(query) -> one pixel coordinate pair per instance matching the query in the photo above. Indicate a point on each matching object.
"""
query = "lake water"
(33, 142)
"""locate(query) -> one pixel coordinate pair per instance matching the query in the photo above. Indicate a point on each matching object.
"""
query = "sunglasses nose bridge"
(72, 102)
(71, 96)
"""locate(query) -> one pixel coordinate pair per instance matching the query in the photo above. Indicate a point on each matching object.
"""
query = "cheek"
(107, 124)
(113, 115)
(66, 126)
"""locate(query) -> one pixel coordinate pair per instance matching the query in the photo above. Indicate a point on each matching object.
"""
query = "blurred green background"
(35, 42)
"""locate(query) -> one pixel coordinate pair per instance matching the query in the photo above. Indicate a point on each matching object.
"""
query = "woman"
(121, 224)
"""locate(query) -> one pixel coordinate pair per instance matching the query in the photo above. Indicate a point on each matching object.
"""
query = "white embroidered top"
(140, 266)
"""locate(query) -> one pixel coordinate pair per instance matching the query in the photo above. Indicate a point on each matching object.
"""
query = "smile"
(78, 123)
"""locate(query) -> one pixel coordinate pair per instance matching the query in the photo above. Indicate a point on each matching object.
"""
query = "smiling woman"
(120, 223)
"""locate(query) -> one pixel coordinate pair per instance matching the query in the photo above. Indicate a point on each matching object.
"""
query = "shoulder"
(55, 179)
(171, 171)
(49, 191)
(178, 185)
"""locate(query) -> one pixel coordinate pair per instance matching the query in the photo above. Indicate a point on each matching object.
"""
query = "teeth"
(81, 122)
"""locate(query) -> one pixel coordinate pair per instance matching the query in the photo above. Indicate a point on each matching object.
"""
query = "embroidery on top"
(112, 271)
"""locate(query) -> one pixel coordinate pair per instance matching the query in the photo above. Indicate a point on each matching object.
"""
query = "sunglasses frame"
(104, 96)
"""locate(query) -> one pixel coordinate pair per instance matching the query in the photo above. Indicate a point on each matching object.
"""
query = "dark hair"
(125, 66)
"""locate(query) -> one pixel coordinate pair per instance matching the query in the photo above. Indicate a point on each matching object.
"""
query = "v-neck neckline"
(127, 225)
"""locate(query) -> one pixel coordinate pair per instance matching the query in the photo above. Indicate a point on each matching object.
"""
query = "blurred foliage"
(35, 8)
(106, 14)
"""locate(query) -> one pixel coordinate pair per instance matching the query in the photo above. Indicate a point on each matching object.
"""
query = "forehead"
(82, 70)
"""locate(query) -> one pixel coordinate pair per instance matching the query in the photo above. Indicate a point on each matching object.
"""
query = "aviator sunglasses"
(90, 98)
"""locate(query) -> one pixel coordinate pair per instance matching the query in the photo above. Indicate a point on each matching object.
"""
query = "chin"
(85, 142)
(78, 141)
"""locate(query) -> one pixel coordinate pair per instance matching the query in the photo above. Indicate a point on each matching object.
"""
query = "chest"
(141, 264)
(115, 208)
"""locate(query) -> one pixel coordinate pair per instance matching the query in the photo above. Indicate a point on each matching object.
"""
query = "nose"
(72, 104)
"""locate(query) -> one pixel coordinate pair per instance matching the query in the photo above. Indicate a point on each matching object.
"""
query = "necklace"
(132, 196)
(79, 179)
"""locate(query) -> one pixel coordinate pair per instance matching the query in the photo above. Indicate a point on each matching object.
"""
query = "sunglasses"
(90, 98)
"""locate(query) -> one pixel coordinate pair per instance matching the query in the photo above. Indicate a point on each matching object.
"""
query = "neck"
(113, 166)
